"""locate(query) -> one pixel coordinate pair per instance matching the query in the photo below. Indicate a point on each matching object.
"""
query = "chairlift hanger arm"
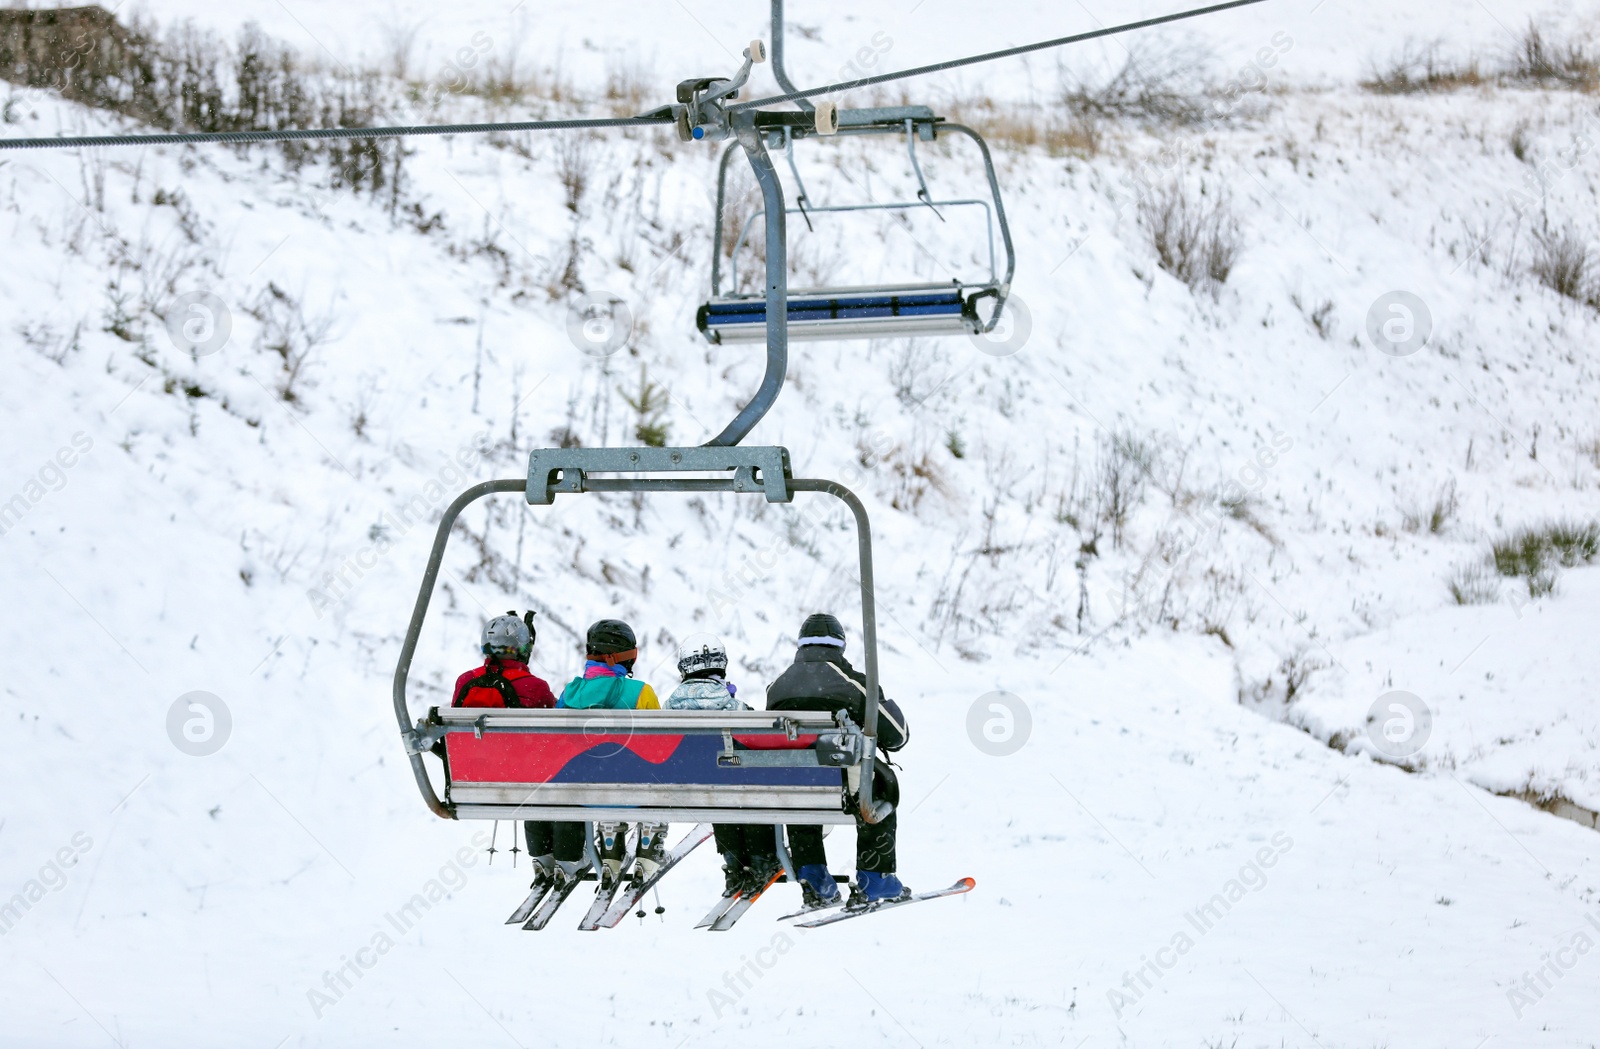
(777, 286)
(779, 72)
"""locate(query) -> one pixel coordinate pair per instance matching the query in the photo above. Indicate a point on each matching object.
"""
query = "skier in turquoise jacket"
(607, 683)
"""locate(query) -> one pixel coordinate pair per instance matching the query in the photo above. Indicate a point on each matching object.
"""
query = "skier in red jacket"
(504, 680)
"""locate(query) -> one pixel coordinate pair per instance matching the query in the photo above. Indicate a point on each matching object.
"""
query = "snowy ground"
(179, 514)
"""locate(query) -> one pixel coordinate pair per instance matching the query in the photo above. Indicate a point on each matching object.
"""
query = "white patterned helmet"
(701, 652)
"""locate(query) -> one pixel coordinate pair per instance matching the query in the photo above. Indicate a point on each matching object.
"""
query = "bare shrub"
(1159, 82)
(914, 475)
(1521, 148)
(287, 331)
(1537, 60)
(399, 44)
(1565, 264)
(1127, 462)
(574, 165)
(1197, 240)
(188, 79)
(1419, 67)
(1320, 316)
(628, 87)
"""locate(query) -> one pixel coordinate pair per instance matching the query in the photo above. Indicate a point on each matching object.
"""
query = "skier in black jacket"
(822, 679)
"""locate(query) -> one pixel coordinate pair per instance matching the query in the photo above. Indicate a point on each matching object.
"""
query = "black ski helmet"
(610, 637)
(822, 629)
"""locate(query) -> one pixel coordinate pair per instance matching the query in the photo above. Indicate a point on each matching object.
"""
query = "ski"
(964, 885)
(553, 902)
(541, 885)
(743, 903)
(634, 892)
(804, 911)
(717, 910)
(606, 893)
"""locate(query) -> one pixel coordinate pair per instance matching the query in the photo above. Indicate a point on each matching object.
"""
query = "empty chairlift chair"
(953, 307)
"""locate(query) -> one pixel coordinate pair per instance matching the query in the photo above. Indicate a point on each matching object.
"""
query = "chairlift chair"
(660, 766)
(948, 308)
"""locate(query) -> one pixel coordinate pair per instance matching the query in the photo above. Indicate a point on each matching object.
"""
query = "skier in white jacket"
(749, 851)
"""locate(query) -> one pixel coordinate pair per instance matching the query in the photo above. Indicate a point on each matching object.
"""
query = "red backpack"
(492, 688)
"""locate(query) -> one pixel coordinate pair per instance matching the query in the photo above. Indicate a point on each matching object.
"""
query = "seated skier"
(822, 679)
(749, 851)
(504, 680)
(608, 683)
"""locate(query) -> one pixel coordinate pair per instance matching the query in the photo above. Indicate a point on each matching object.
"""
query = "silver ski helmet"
(508, 637)
(700, 652)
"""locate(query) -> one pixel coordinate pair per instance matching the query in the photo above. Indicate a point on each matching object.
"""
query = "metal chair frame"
(557, 471)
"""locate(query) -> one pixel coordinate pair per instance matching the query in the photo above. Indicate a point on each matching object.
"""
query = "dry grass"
(1027, 128)
(1534, 61)
(1195, 238)
(1420, 68)
(1537, 60)
(1564, 263)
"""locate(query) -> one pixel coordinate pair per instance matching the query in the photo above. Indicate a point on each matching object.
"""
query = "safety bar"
(791, 724)
(898, 205)
(871, 811)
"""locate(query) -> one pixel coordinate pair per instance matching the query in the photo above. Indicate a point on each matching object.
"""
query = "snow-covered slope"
(186, 527)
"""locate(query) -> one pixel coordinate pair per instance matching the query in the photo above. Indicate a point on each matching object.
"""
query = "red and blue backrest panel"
(646, 759)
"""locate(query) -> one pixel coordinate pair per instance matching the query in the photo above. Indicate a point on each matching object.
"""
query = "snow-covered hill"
(251, 522)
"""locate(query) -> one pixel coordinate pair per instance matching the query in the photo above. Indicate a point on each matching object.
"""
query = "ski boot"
(613, 850)
(872, 887)
(566, 872)
(733, 874)
(652, 851)
(544, 870)
(760, 871)
(817, 887)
